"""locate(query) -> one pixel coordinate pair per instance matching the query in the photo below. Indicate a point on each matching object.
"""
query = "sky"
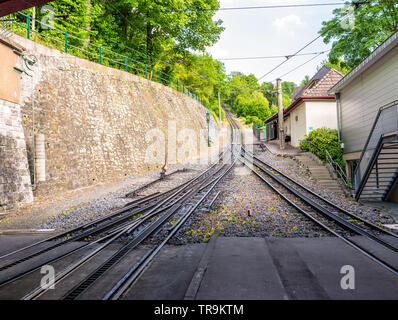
(271, 32)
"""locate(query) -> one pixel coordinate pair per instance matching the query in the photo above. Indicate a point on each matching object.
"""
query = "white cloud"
(289, 24)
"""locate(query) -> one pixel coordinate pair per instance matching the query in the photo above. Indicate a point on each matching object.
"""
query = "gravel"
(248, 208)
(294, 170)
(109, 202)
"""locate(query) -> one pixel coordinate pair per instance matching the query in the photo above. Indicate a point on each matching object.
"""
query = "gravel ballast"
(100, 207)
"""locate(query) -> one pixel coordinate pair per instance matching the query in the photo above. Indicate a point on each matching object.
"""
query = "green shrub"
(253, 119)
(319, 140)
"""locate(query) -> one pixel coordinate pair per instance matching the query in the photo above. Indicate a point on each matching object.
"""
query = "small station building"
(312, 107)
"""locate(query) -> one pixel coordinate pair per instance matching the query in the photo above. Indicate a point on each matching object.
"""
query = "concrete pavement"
(271, 268)
(236, 268)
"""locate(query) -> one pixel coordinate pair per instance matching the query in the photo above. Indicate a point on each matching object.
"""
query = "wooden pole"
(280, 115)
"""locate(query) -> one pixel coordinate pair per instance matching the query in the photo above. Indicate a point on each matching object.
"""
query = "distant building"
(368, 122)
(312, 107)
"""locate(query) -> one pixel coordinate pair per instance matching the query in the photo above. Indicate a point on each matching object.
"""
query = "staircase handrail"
(361, 186)
(337, 168)
(381, 109)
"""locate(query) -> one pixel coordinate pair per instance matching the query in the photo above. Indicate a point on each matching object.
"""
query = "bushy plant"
(253, 119)
(319, 140)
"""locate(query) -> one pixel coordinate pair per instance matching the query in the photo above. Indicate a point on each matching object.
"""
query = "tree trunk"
(88, 24)
(149, 29)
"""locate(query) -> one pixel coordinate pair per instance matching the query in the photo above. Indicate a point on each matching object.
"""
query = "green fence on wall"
(92, 52)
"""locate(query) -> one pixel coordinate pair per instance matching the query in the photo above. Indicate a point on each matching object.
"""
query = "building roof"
(323, 85)
(296, 92)
(369, 61)
(11, 6)
(315, 90)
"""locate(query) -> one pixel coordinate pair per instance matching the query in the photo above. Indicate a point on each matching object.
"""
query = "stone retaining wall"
(100, 123)
(15, 186)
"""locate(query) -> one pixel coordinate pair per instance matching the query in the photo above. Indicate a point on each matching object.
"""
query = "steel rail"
(352, 215)
(66, 254)
(136, 223)
(123, 285)
(130, 205)
(136, 271)
(187, 186)
(122, 252)
(87, 225)
(377, 260)
(328, 214)
(98, 229)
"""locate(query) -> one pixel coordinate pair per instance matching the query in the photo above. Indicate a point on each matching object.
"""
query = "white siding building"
(312, 107)
(360, 95)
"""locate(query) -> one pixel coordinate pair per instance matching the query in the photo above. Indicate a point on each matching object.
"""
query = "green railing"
(93, 52)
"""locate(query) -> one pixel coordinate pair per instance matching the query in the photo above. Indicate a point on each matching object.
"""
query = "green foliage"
(319, 140)
(253, 106)
(374, 22)
(269, 91)
(157, 36)
(305, 81)
(274, 109)
(253, 102)
(338, 65)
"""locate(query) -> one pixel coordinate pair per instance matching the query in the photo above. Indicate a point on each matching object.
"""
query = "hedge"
(319, 140)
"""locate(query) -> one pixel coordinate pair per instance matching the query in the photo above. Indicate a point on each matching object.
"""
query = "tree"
(206, 76)
(252, 106)
(338, 65)
(288, 88)
(168, 25)
(305, 81)
(269, 91)
(374, 22)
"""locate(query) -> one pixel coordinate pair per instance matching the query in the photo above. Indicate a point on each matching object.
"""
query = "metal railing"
(386, 123)
(96, 53)
(271, 131)
(338, 170)
(259, 131)
(340, 173)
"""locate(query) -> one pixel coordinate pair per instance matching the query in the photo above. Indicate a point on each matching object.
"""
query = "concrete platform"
(261, 269)
(231, 268)
(274, 148)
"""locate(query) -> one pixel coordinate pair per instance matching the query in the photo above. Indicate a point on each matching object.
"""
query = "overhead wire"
(311, 42)
(210, 80)
(127, 47)
(277, 6)
(267, 57)
(301, 65)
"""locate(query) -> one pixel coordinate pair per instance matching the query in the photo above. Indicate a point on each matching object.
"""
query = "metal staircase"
(377, 171)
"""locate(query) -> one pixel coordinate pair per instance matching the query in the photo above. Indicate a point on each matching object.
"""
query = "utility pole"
(280, 114)
(219, 106)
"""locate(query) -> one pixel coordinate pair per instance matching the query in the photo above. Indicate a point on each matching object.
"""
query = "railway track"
(100, 230)
(130, 226)
(331, 217)
(149, 216)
